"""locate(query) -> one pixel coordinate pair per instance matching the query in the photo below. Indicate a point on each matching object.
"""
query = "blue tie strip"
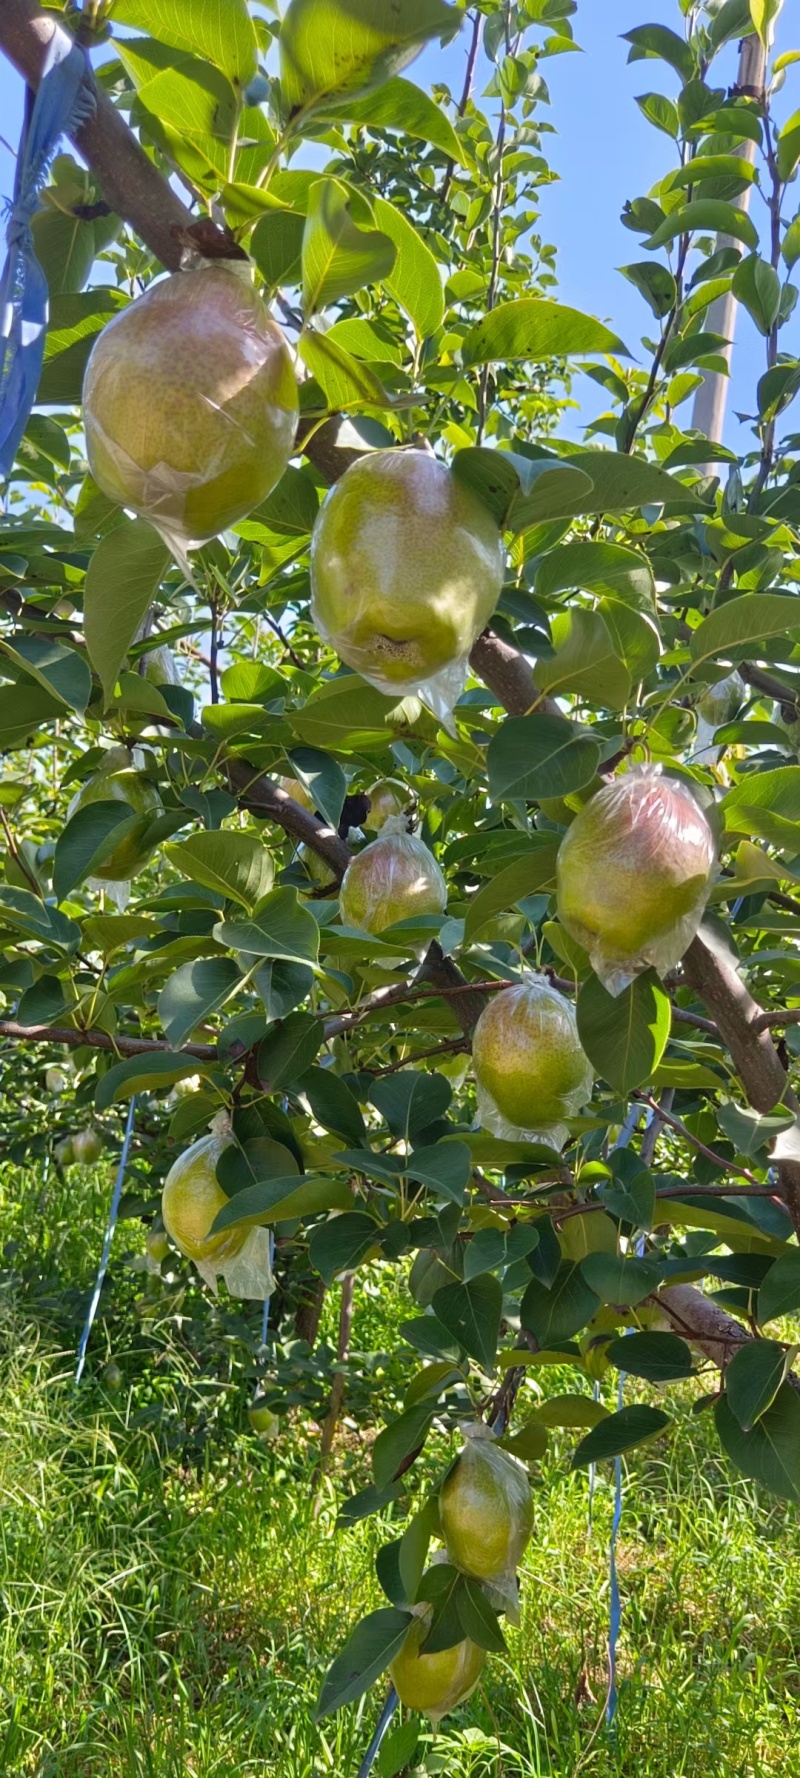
(64, 101)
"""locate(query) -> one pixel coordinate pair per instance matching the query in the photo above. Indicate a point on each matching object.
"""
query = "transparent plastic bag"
(634, 873)
(190, 403)
(718, 704)
(192, 1198)
(395, 878)
(406, 570)
(531, 1073)
(486, 1511)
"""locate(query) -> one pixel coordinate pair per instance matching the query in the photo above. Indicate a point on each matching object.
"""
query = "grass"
(169, 1602)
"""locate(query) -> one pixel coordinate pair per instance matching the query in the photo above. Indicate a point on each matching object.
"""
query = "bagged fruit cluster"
(190, 1203)
(530, 1070)
(393, 879)
(190, 403)
(486, 1514)
(406, 570)
(634, 873)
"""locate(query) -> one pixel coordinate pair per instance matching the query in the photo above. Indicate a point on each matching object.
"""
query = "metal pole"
(708, 414)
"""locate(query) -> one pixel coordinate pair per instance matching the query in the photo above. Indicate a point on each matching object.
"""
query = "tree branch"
(131, 183)
(72, 1038)
(263, 797)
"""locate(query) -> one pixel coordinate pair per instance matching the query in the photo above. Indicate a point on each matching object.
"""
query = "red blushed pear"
(634, 874)
(190, 403)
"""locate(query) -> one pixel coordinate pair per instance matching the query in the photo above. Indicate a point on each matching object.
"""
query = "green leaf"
(770, 1452)
(74, 322)
(276, 245)
(398, 1441)
(90, 836)
(233, 864)
(619, 1278)
(280, 927)
(121, 580)
(656, 284)
(338, 257)
(410, 1100)
(365, 1656)
(765, 804)
(398, 1752)
(631, 1194)
(61, 672)
(23, 710)
(758, 287)
(282, 986)
(331, 47)
(660, 111)
(471, 1312)
(753, 1377)
(322, 778)
(791, 240)
(553, 1316)
(709, 216)
(220, 30)
(620, 1432)
(657, 1357)
(530, 1442)
(534, 871)
(341, 1244)
(289, 1050)
(531, 757)
(534, 329)
(585, 661)
(152, 1073)
(604, 568)
(666, 45)
(400, 105)
(788, 147)
(571, 1410)
(415, 280)
(36, 919)
(345, 382)
(625, 1035)
(332, 1104)
(280, 1199)
(478, 1620)
(193, 993)
(780, 1291)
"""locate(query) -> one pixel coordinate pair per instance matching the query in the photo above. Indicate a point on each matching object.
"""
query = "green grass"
(169, 1602)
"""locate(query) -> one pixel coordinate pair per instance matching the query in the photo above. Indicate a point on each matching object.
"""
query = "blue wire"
(379, 1736)
(267, 1299)
(108, 1238)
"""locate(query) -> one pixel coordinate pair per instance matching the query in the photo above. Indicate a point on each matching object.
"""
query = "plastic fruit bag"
(190, 403)
(393, 879)
(437, 1683)
(719, 704)
(486, 1511)
(190, 1202)
(634, 874)
(530, 1070)
(406, 570)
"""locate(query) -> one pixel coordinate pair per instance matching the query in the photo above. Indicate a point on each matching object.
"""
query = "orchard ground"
(172, 1588)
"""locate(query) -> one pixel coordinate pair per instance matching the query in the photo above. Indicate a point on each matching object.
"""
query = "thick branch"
(697, 1319)
(131, 184)
(509, 676)
(711, 970)
(263, 797)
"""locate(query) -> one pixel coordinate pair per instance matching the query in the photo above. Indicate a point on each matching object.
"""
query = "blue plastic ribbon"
(107, 1240)
(380, 1734)
(64, 101)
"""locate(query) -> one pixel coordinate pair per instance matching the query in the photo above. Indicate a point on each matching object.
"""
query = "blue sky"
(604, 153)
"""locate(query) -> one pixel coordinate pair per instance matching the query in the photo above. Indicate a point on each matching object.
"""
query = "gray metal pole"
(708, 414)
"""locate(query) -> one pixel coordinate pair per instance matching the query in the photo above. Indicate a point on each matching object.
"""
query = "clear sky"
(604, 153)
